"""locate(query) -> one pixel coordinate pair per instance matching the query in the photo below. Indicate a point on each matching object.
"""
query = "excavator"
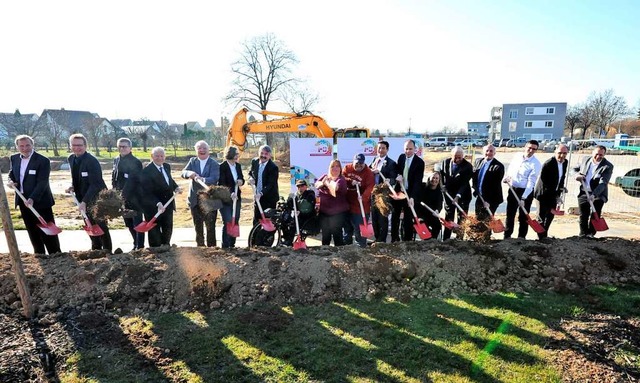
(304, 122)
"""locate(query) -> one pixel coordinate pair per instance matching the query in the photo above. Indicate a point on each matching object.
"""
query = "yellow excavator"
(305, 122)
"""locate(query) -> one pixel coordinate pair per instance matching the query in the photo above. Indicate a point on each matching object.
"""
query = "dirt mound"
(171, 279)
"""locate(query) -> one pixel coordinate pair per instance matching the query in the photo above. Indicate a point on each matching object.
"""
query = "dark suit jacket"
(86, 178)
(270, 192)
(226, 178)
(154, 188)
(492, 181)
(36, 180)
(547, 187)
(210, 173)
(457, 182)
(389, 170)
(125, 177)
(415, 175)
(601, 175)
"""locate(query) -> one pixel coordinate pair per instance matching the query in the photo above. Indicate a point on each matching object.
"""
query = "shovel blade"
(599, 223)
(422, 230)
(557, 211)
(50, 228)
(299, 244)
(496, 226)
(267, 225)
(233, 230)
(450, 225)
(94, 230)
(366, 230)
(535, 225)
(144, 226)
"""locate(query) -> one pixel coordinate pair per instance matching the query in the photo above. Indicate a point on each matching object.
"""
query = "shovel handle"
(518, 199)
(386, 181)
(253, 187)
(204, 185)
(433, 212)
(165, 205)
(446, 193)
(33, 210)
(413, 211)
(588, 193)
(360, 201)
(233, 213)
(485, 206)
(295, 214)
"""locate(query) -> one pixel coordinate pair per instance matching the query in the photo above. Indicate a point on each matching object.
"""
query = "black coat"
(125, 177)
(86, 177)
(457, 182)
(389, 170)
(153, 188)
(226, 178)
(547, 187)
(415, 175)
(36, 180)
(270, 192)
(492, 181)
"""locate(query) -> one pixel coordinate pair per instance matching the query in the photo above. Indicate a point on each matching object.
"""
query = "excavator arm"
(289, 123)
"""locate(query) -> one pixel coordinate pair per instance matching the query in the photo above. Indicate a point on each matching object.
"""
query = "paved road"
(78, 240)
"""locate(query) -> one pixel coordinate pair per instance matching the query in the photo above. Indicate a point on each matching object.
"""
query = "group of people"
(341, 202)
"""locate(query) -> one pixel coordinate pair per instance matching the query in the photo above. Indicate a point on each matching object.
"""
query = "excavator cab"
(354, 132)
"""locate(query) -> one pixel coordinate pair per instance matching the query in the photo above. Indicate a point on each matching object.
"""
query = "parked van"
(437, 141)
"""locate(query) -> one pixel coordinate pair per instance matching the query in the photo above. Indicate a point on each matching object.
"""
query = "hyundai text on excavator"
(289, 123)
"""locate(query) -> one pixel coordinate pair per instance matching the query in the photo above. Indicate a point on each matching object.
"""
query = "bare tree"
(301, 99)
(587, 119)
(607, 107)
(262, 73)
(16, 124)
(572, 119)
(94, 131)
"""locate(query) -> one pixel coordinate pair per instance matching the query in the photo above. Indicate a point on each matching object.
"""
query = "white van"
(436, 141)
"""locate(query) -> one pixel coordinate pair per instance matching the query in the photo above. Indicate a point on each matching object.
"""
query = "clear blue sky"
(381, 64)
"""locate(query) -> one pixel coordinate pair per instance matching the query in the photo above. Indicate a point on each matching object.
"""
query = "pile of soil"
(169, 279)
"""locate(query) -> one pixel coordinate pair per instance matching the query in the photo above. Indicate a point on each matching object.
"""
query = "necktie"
(164, 174)
(405, 174)
(260, 170)
(483, 169)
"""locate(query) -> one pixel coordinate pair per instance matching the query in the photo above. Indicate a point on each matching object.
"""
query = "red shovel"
(446, 193)
(535, 225)
(598, 222)
(298, 243)
(448, 224)
(145, 226)
(394, 195)
(92, 230)
(233, 229)
(494, 224)
(49, 228)
(366, 229)
(558, 210)
(266, 223)
(420, 227)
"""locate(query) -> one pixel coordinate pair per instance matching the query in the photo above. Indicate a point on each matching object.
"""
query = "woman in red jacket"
(332, 188)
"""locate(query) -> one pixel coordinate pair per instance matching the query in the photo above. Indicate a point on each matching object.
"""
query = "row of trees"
(603, 114)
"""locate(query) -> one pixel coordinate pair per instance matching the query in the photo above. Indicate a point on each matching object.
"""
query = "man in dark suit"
(550, 186)
(87, 182)
(410, 173)
(264, 176)
(30, 175)
(455, 173)
(382, 164)
(487, 177)
(205, 169)
(125, 178)
(596, 172)
(158, 187)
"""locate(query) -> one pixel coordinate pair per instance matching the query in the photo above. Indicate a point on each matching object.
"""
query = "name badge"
(126, 175)
(32, 171)
(84, 174)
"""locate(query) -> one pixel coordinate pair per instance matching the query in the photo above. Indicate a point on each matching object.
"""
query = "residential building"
(478, 129)
(14, 124)
(535, 121)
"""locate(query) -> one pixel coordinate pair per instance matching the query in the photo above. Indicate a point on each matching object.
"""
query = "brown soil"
(90, 286)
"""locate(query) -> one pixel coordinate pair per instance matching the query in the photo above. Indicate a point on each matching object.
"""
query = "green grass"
(497, 338)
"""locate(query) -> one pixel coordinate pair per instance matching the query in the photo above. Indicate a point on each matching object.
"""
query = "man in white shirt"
(522, 174)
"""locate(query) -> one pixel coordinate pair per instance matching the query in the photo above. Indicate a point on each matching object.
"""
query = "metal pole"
(16, 262)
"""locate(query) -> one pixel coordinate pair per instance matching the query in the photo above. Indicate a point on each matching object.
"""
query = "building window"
(513, 126)
(548, 124)
(551, 110)
(528, 110)
(528, 124)
(513, 114)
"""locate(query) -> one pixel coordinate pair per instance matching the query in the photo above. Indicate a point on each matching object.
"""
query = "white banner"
(309, 159)
(349, 147)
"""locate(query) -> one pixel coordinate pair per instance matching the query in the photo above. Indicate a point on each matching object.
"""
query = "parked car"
(437, 141)
(519, 142)
(500, 142)
(473, 142)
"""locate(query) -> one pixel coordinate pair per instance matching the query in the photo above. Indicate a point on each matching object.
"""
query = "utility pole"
(16, 262)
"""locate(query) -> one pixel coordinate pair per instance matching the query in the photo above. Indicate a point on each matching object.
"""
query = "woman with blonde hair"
(332, 189)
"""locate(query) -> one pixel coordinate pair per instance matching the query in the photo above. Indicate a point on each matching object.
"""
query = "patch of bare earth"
(78, 296)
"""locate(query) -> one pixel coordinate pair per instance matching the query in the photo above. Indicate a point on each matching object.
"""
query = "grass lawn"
(498, 338)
